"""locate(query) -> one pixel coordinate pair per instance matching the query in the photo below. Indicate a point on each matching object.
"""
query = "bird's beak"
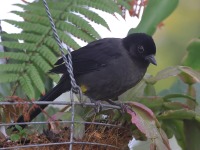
(151, 59)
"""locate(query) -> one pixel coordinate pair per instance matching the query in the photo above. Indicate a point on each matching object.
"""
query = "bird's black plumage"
(106, 68)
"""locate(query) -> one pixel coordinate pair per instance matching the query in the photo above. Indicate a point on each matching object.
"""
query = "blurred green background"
(173, 37)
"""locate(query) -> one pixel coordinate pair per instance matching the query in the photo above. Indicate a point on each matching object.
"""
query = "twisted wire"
(68, 64)
(68, 59)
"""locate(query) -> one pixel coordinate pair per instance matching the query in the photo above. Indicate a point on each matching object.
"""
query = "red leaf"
(136, 120)
(146, 122)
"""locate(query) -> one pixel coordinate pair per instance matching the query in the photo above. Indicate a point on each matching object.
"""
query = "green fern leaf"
(105, 5)
(36, 78)
(91, 15)
(33, 18)
(72, 29)
(23, 36)
(52, 45)
(37, 8)
(68, 40)
(12, 67)
(9, 77)
(13, 55)
(62, 5)
(40, 62)
(19, 46)
(81, 23)
(30, 27)
(27, 87)
(110, 4)
(47, 54)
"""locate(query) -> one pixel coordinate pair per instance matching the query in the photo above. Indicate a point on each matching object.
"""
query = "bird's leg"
(98, 106)
(120, 104)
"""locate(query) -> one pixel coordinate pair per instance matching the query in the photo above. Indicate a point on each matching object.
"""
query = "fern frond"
(33, 18)
(81, 23)
(19, 46)
(8, 77)
(12, 67)
(62, 5)
(13, 55)
(35, 78)
(93, 16)
(72, 29)
(47, 54)
(52, 45)
(23, 36)
(40, 62)
(26, 85)
(30, 27)
(105, 5)
(35, 8)
(68, 40)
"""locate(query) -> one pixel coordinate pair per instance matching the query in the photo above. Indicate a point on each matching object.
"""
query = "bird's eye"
(140, 49)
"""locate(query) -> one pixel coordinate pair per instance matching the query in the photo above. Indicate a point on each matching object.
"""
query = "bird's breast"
(112, 80)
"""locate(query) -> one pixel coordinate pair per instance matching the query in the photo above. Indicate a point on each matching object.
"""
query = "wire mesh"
(105, 146)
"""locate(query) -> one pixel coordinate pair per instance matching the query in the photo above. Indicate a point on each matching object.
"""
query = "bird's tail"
(50, 96)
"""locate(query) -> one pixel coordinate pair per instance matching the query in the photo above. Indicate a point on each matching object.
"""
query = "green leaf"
(136, 91)
(178, 114)
(47, 54)
(166, 73)
(177, 128)
(36, 78)
(13, 55)
(30, 27)
(19, 46)
(11, 77)
(81, 23)
(192, 133)
(79, 128)
(15, 137)
(108, 6)
(12, 67)
(33, 18)
(68, 40)
(23, 36)
(52, 45)
(192, 57)
(18, 127)
(27, 87)
(93, 16)
(187, 74)
(149, 90)
(167, 97)
(72, 29)
(155, 12)
(40, 62)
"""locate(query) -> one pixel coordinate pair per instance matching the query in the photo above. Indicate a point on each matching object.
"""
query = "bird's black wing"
(91, 57)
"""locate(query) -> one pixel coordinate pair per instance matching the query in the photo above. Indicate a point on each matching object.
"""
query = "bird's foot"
(98, 106)
(120, 104)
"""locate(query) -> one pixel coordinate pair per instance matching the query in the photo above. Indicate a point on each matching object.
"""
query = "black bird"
(104, 69)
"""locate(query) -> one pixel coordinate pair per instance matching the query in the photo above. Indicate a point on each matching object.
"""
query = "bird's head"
(141, 46)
